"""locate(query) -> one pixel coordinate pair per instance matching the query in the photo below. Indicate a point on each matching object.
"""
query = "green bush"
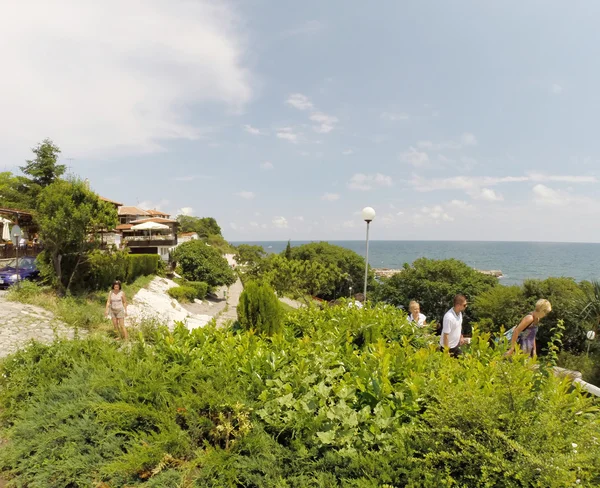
(433, 283)
(200, 262)
(142, 265)
(259, 309)
(319, 405)
(200, 287)
(183, 293)
(106, 267)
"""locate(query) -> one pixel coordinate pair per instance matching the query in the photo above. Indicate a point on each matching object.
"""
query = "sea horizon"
(517, 260)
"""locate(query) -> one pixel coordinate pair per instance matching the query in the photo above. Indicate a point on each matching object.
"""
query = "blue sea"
(518, 261)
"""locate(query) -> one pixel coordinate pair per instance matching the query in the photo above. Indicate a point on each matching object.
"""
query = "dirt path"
(20, 323)
(229, 312)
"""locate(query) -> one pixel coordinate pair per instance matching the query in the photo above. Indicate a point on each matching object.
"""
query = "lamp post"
(591, 335)
(368, 214)
(16, 234)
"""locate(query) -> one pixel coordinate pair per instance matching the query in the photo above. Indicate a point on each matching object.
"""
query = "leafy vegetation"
(208, 230)
(259, 309)
(433, 283)
(68, 213)
(342, 397)
(183, 293)
(200, 262)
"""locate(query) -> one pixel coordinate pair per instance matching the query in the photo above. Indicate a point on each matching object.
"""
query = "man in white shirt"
(452, 338)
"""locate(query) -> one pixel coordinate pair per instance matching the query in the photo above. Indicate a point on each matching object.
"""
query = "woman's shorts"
(117, 313)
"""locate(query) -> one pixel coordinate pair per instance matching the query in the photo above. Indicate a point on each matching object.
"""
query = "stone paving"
(19, 323)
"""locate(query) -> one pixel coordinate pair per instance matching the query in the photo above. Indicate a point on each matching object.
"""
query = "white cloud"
(280, 222)
(185, 211)
(233, 225)
(361, 181)
(266, 165)
(477, 182)
(414, 157)
(436, 213)
(467, 139)
(248, 195)
(191, 177)
(349, 224)
(547, 196)
(287, 134)
(347, 152)
(556, 89)
(299, 218)
(325, 123)
(460, 204)
(254, 224)
(116, 83)
(253, 130)
(488, 195)
(299, 101)
(394, 117)
(331, 197)
(152, 205)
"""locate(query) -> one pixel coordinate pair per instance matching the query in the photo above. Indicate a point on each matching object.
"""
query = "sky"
(461, 120)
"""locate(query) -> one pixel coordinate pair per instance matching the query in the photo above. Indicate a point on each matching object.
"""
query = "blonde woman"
(415, 316)
(525, 332)
(116, 307)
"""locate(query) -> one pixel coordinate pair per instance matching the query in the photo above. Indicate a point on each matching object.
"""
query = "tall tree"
(44, 168)
(203, 226)
(288, 251)
(15, 192)
(69, 216)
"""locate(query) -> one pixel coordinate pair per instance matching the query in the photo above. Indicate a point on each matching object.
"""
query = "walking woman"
(525, 332)
(116, 306)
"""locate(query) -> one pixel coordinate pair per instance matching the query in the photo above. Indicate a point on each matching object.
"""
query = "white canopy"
(149, 226)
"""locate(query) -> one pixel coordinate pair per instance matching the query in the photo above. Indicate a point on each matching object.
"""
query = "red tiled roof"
(109, 200)
(123, 227)
(158, 220)
(186, 234)
(156, 212)
(125, 210)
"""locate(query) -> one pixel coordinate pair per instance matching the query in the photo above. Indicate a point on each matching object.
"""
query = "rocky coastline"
(388, 272)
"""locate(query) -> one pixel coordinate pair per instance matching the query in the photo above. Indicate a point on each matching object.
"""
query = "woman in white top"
(116, 307)
(415, 316)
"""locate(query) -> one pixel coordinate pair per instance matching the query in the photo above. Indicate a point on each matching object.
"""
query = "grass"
(83, 312)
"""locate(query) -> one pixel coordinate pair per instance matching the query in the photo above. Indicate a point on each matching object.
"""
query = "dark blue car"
(27, 271)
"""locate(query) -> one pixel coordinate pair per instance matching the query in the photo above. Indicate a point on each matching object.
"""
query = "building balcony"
(153, 241)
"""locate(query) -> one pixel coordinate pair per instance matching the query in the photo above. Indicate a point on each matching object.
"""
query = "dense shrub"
(315, 406)
(348, 267)
(200, 262)
(434, 283)
(106, 267)
(183, 293)
(142, 265)
(259, 309)
(200, 287)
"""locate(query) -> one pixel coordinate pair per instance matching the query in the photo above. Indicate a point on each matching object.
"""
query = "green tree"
(200, 262)
(349, 266)
(249, 255)
(566, 297)
(44, 168)
(434, 283)
(15, 192)
(300, 279)
(203, 226)
(288, 251)
(501, 306)
(259, 309)
(70, 216)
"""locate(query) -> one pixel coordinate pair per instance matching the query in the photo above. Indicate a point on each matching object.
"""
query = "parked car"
(27, 271)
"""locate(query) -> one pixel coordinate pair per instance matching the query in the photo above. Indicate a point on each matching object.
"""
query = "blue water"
(517, 260)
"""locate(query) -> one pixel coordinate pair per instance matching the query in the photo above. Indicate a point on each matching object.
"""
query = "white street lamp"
(368, 214)
(591, 335)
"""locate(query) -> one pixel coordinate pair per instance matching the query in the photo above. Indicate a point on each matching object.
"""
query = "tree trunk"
(56, 262)
(73, 273)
